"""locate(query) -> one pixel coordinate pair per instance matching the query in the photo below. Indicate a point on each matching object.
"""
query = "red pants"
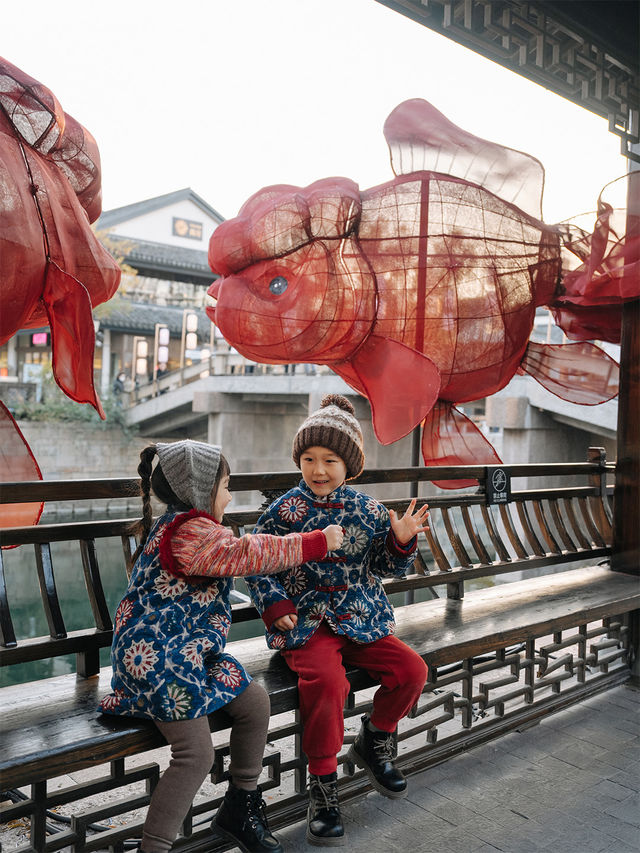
(323, 688)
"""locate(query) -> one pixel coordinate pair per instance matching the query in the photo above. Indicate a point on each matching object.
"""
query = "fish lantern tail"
(68, 306)
(450, 438)
(588, 303)
(17, 463)
(401, 385)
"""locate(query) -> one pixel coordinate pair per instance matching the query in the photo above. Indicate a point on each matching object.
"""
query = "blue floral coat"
(168, 646)
(344, 587)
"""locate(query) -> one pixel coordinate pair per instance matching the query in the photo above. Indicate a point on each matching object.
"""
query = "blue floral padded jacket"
(344, 588)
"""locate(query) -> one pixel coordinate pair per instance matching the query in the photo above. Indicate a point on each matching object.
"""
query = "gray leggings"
(192, 757)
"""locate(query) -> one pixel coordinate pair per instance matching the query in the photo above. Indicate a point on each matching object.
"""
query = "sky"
(227, 97)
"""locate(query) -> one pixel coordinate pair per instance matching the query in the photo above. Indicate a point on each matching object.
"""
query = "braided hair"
(157, 482)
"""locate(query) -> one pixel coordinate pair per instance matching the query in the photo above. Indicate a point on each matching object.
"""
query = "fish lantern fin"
(37, 118)
(17, 463)
(581, 373)
(449, 437)
(68, 308)
(588, 305)
(346, 372)
(400, 383)
(586, 323)
(422, 139)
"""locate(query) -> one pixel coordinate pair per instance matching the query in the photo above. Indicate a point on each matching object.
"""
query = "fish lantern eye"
(278, 285)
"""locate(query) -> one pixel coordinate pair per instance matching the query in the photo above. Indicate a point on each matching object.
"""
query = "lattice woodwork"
(463, 704)
(531, 40)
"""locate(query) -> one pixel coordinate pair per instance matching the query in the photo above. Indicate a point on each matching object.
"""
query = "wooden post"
(626, 510)
(410, 596)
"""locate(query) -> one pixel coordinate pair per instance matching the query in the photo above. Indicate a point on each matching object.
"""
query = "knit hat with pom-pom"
(333, 425)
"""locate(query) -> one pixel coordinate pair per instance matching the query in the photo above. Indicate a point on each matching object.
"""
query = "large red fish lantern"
(421, 293)
(52, 267)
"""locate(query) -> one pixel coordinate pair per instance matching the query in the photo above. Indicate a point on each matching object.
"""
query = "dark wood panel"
(7, 632)
(69, 490)
(545, 529)
(514, 539)
(39, 648)
(120, 527)
(49, 592)
(454, 538)
(125, 487)
(63, 532)
(492, 530)
(575, 527)
(93, 583)
(476, 540)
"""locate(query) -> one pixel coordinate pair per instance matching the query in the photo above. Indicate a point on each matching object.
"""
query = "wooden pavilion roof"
(587, 52)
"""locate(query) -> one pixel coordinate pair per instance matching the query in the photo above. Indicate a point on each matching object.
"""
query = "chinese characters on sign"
(187, 228)
(498, 486)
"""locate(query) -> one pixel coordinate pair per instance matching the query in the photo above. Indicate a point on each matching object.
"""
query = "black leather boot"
(324, 822)
(242, 817)
(375, 752)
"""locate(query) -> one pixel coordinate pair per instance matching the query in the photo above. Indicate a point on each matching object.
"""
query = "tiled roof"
(122, 214)
(144, 254)
(121, 315)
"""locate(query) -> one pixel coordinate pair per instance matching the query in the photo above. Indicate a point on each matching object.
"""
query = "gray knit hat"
(333, 425)
(190, 468)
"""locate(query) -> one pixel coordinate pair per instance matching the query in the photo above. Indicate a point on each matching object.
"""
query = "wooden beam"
(626, 512)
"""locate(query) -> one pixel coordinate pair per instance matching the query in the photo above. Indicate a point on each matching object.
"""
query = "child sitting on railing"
(170, 631)
(333, 610)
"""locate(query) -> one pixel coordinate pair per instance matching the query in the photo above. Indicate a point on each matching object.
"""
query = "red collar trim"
(167, 560)
(325, 505)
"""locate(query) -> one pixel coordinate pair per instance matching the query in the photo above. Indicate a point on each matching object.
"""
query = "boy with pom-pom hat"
(334, 611)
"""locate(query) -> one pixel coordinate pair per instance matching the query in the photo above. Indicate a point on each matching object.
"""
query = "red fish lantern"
(52, 269)
(421, 293)
(17, 463)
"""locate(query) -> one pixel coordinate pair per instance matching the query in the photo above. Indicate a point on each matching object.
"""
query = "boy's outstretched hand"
(410, 524)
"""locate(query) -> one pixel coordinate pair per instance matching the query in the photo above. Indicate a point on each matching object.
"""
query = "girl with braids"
(170, 631)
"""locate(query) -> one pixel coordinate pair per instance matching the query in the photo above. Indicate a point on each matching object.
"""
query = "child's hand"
(286, 623)
(334, 535)
(410, 524)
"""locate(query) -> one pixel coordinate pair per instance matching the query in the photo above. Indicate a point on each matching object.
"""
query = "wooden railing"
(500, 655)
(468, 538)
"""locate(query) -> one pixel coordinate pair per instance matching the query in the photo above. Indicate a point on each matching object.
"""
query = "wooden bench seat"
(52, 727)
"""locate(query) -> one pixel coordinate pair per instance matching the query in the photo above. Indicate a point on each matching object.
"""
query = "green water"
(28, 614)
